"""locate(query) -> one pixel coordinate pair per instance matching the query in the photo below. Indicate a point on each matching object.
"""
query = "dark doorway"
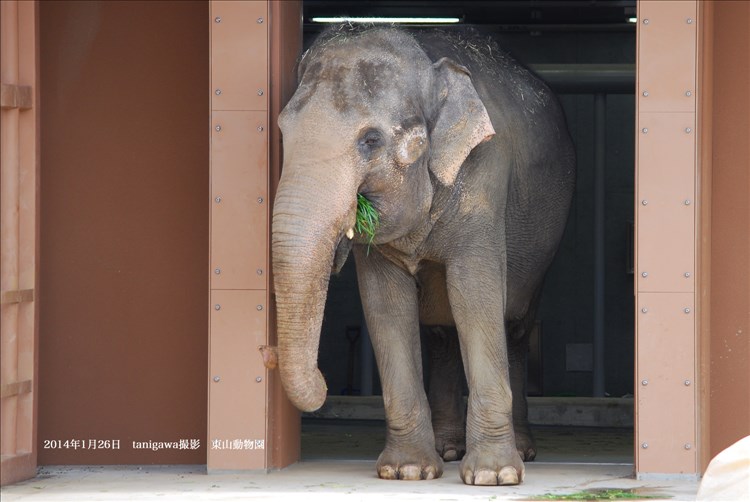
(586, 51)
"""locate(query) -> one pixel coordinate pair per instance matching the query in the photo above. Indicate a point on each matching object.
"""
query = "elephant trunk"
(307, 226)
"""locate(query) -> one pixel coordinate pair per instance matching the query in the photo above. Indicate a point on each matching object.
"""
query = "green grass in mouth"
(367, 219)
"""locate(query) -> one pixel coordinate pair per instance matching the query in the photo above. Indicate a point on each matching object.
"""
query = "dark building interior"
(586, 51)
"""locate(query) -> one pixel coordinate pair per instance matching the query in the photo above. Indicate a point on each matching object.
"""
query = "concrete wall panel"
(666, 77)
(666, 202)
(239, 207)
(237, 431)
(239, 55)
(666, 383)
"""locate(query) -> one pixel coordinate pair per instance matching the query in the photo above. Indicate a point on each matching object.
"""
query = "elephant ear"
(302, 65)
(462, 120)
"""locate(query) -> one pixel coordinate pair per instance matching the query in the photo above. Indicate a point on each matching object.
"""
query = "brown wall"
(124, 228)
(730, 224)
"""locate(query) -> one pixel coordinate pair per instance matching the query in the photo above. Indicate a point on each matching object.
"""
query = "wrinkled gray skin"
(467, 159)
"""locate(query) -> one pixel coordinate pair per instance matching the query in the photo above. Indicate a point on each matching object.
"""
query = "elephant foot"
(525, 443)
(409, 463)
(450, 442)
(488, 465)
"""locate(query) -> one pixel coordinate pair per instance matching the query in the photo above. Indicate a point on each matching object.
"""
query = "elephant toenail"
(387, 472)
(410, 472)
(468, 477)
(508, 476)
(485, 478)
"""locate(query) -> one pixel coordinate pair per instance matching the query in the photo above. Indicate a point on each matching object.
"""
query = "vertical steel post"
(239, 248)
(600, 138)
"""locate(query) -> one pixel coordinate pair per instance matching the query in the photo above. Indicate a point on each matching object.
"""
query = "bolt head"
(260, 200)
(644, 202)
(645, 94)
(687, 383)
(259, 271)
(646, 21)
(260, 129)
(644, 382)
(644, 310)
(260, 92)
(217, 271)
(687, 310)
(217, 378)
(689, 21)
(644, 445)
(260, 20)
(688, 93)
(688, 446)
(687, 202)
(644, 130)
(217, 19)
(217, 199)
(644, 274)
(258, 379)
(687, 274)
(259, 308)
(217, 307)
(688, 130)
(217, 92)
(218, 128)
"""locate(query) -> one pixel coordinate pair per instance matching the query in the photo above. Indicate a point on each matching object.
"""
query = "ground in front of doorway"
(324, 481)
(339, 464)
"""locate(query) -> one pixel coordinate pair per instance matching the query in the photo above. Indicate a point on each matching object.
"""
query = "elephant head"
(372, 115)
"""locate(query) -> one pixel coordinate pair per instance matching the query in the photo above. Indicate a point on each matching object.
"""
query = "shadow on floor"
(330, 439)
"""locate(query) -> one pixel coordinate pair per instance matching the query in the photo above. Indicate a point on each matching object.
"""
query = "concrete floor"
(339, 464)
(312, 481)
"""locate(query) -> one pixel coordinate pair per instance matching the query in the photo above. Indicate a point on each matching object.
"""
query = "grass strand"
(368, 220)
(598, 494)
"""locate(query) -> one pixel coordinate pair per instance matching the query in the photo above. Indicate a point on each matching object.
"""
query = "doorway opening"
(581, 358)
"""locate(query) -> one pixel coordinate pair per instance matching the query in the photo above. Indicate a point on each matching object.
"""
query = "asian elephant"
(466, 158)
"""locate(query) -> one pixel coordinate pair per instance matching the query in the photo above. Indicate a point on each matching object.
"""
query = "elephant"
(466, 157)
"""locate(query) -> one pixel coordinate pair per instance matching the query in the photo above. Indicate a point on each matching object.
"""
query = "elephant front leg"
(476, 289)
(389, 298)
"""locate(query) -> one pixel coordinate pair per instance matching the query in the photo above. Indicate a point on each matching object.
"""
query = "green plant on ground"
(599, 494)
(367, 219)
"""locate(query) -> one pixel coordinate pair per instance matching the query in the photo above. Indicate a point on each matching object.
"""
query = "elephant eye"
(370, 140)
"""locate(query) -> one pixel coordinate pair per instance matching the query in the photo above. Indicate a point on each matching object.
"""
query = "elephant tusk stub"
(350, 234)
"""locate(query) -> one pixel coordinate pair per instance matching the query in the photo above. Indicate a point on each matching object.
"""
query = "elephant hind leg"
(445, 394)
(525, 443)
(518, 348)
